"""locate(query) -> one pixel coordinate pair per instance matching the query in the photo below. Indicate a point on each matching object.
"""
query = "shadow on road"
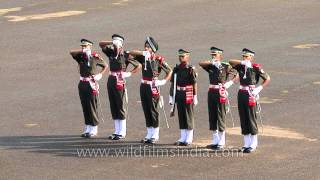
(75, 146)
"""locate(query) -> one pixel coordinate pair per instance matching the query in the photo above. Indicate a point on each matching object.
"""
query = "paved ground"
(40, 109)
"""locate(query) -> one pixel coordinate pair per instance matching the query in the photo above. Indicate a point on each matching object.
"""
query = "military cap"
(215, 50)
(182, 52)
(247, 52)
(117, 37)
(153, 44)
(85, 42)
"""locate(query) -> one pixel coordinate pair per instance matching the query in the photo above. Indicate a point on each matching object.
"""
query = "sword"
(126, 101)
(229, 111)
(161, 104)
(173, 107)
(259, 112)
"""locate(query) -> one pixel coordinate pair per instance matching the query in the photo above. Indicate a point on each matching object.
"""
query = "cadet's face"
(217, 56)
(247, 57)
(184, 58)
(147, 47)
(86, 47)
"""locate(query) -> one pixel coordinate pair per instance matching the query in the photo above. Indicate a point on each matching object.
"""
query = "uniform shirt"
(186, 75)
(219, 75)
(88, 70)
(119, 63)
(154, 67)
(253, 74)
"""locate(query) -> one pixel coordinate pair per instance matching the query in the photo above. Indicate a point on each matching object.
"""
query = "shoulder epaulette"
(160, 59)
(257, 66)
(225, 63)
(95, 54)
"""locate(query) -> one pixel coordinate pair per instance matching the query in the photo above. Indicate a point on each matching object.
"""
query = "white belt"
(146, 82)
(247, 87)
(84, 78)
(213, 86)
(115, 73)
(181, 88)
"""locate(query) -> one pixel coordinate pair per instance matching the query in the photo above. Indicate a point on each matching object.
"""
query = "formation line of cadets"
(183, 90)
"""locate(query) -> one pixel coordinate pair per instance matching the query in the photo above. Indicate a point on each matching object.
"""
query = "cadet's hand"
(195, 100)
(160, 82)
(97, 77)
(257, 90)
(126, 74)
(228, 84)
(171, 100)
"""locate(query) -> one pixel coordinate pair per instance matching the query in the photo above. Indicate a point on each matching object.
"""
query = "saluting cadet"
(219, 73)
(249, 74)
(91, 67)
(184, 76)
(118, 62)
(152, 65)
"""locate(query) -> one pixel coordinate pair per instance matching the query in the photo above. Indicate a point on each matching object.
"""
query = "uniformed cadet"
(249, 74)
(118, 62)
(219, 75)
(152, 65)
(91, 67)
(184, 78)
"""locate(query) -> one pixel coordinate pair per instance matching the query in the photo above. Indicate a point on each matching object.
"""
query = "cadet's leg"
(242, 108)
(145, 102)
(83, 94)
(213, 117)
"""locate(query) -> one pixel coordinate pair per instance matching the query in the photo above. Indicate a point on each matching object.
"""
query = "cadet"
(88, 86)
(249, 74)
(118, 62)
(152, 65)
(183, 82)
(219, 73)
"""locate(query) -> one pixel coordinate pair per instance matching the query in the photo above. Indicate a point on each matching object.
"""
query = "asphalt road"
(41, 116)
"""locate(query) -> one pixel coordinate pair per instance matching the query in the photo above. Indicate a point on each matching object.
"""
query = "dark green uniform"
(149, 93)
(217, 109)
(88, 94)
(248, 115)
(116, 83)
(186, 78)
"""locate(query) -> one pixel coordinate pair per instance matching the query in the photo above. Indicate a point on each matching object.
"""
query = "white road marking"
(266, 100)
(306, 46)
(5, 11)
(44, 16)
(31, 125)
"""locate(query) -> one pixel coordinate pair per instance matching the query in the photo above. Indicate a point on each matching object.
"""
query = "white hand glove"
(160, 82)
(97, 77)
(247, 63)
(257, 90)
(171, 100)
(195, 100)
(228, 84)
(117, 43)
(146, 54)
(126, 74)
(216, 63)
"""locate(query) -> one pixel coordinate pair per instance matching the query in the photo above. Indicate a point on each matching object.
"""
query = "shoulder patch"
(257, 66)
(95, 54)
(160, 58)
(226, 63)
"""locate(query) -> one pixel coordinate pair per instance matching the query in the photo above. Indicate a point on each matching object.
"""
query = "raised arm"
(205, 63)
(74, 52)
(103, 44)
